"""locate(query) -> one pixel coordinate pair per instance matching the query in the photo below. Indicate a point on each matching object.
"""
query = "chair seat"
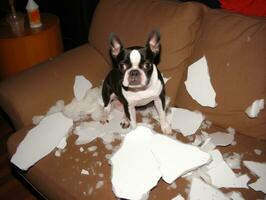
(61, 178)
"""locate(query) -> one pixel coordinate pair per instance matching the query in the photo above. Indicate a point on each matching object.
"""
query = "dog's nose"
(134, 73)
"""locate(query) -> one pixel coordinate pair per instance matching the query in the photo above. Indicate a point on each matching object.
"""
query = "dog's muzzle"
(134, 77)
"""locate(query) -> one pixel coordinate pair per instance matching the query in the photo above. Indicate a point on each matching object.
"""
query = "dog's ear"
(116, 45)
(153, 42)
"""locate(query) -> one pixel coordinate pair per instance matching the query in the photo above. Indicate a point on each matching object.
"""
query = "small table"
(33, 46)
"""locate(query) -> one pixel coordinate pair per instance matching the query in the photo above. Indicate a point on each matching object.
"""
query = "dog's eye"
(122, 67)
(147, 66)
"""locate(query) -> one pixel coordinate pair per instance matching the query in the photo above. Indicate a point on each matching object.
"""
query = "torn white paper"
(178, 197)
(221, 138)
(260, 170)
(62, 144)
(41, 140)
(89, 105)
(81, 86)
(235, 195)
(89, 131)
(221, 174)
(185, 121)
(202, 191)
(134, 169)
(85, 172)
(234, 160)
(253, 110)
(176, 158)
(258, 151)
(198, 83)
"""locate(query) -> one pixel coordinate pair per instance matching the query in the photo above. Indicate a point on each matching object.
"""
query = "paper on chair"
(41, 140)
(221, 174)
(198, 83)
(253, 110)
(81, 86)
(176, 158)
(260, 170)
(89, 131)
(202, 191)
(185, 121)
(134, 168)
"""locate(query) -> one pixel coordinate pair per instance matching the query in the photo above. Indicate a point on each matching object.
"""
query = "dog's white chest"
(141, 98)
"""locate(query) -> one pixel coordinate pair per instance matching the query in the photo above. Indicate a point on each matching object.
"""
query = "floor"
(10, 187)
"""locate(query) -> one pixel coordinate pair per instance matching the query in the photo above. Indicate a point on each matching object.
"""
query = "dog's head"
(136, 64)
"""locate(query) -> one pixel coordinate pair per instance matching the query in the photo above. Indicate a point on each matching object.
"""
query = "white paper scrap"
(202, 191)
(62, 144)
(221, 174)
(178, 197)
(253, 110)
(185, 121)
(89, 131)
(85, 172)
(41, 140)
(81, 86)
(221, 138)
(260, 170)
(198, 83)
(235, 195)
(176, 158)
(134, 169)
(234, 160)
(258, 151)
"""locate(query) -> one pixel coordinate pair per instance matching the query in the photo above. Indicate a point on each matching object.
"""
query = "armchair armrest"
(33, 91)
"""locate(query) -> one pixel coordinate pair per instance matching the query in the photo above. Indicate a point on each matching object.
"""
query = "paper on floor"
(253, 110)
(41, 140)
(260, 170)
(81, 86)
(176, 158)
(185, 121)
(202, 191)
(134, 168)
(221, 174)
(198, 83)
(89, 131)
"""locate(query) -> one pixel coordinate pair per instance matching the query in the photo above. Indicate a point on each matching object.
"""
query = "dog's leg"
(129, 118)
(162, 116)
(107, 99)
(132, 112)
(125, 123)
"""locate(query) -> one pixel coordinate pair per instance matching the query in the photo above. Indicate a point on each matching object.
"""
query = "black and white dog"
(135, 80)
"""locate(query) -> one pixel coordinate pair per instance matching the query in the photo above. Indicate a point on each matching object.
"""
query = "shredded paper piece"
(41, 140)
(253, 110)
(185, 121)
(260, 170)
(202, 191)
(81, 86)
(134, 170)
(198, 83)
(156, 156)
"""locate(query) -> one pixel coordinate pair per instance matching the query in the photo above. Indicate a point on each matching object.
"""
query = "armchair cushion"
(34, 91)
(234, 46)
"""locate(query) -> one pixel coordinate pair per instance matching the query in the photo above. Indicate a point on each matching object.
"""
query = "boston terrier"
(135, 80)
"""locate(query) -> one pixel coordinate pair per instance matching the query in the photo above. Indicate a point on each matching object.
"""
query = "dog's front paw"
(125, 123)
(166, 128)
